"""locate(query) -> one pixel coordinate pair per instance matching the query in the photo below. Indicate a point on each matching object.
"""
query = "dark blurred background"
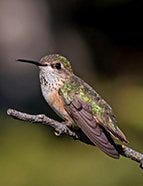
(104, 41)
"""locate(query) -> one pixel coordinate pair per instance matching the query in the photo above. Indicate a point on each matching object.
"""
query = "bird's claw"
(57, 133)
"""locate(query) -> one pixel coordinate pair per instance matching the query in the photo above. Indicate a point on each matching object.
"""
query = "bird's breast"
(56, 103)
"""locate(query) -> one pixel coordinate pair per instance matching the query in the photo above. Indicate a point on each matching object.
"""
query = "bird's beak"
(37, 63)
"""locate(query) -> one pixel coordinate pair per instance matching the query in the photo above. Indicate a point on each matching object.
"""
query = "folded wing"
(83, 117)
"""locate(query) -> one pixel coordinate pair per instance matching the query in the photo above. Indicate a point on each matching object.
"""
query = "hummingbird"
(77, 103)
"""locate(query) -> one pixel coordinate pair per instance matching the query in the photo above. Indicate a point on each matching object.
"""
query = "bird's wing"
(77, 89)
(82, 115)
(101, 110)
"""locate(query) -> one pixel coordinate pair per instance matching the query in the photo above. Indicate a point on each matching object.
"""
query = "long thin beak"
(37, 63)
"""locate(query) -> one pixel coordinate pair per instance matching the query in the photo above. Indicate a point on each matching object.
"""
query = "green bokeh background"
(104, 41)
(31, 155)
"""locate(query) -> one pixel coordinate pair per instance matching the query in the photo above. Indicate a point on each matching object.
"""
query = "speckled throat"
(50, 84)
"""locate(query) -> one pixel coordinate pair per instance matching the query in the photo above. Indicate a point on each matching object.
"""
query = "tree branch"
(61, 128)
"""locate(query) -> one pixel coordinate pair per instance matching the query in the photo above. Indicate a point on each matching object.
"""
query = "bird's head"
(53, 67)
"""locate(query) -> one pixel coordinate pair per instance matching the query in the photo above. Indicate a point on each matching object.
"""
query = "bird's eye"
(58, 66)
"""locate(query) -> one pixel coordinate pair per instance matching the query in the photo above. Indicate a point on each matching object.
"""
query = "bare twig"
(61, 128)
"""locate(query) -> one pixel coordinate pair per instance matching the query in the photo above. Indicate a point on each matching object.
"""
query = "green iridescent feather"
(66, 63)
(100, 109)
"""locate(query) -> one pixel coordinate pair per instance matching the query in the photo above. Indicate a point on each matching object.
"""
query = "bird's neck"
(53, 84)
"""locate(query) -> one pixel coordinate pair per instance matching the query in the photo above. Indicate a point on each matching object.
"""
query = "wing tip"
(113, 154)
(122, 137)
(111, 150)
(118, 134)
